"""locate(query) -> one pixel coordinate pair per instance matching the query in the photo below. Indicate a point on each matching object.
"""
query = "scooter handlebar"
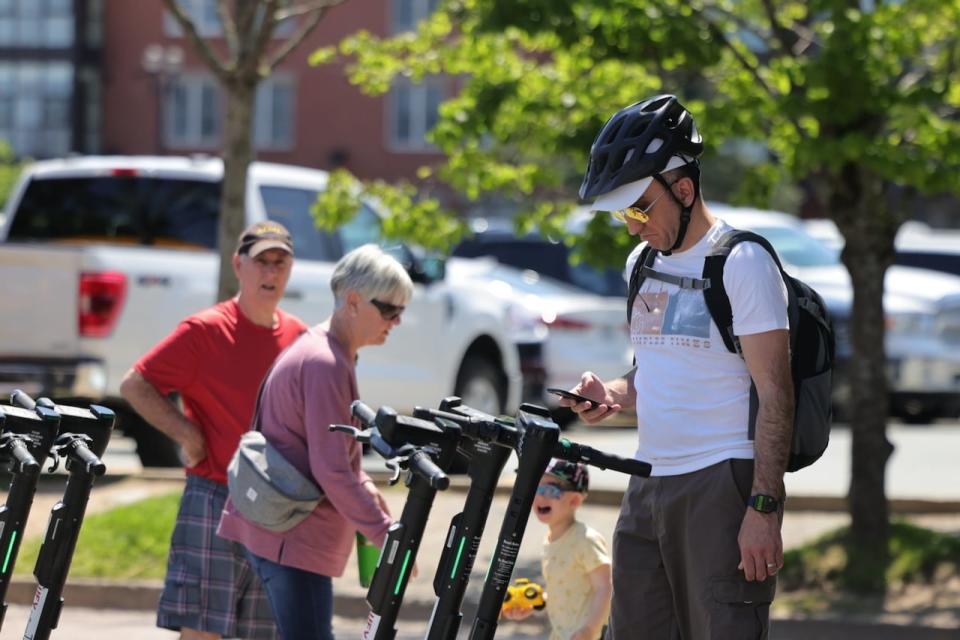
(420, 463)
(364, 414)
(20, 453)
(93, 464)
(21, 399)
(582, 453)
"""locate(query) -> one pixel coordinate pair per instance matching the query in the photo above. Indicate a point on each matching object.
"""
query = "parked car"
(102, 256)
(549, 258)
(917, 244)
(922, 309)
(578, 330)
(577, 312)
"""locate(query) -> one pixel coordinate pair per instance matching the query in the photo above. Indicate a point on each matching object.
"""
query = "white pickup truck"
(100, 257)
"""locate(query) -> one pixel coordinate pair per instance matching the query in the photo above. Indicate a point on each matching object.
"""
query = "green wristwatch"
(763, 504)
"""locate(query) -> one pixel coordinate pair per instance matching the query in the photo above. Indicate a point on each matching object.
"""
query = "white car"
(102, 256)
(578, 330)
(922, 309)
(917, 244)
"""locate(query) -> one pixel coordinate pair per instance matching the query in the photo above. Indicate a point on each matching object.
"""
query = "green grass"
(125, 542)
(818, 570)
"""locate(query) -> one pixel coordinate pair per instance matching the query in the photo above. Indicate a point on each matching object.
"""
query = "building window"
(204, 15)
(274, 113)
(35, 107)
(413, 111)
(192, 112)
(36, 24)
(405, 14)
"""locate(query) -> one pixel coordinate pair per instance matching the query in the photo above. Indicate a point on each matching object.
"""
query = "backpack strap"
(716, 294)
(645, 260)
(681, 281)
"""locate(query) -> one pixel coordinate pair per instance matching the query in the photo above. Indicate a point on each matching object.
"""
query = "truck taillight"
(100, 301)
(564, 323)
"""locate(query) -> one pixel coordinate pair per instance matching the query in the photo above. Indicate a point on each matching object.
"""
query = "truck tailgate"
(38, 300)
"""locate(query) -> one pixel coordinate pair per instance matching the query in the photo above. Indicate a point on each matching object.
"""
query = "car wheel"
(480, 385)
(563, 416)
(154, 448)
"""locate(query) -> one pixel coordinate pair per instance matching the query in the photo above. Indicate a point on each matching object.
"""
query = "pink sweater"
(310, 387)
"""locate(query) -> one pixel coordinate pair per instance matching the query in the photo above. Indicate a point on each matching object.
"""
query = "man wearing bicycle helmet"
(697, 545)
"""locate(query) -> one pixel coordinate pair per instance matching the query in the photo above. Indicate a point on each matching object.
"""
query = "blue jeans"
(302, 601)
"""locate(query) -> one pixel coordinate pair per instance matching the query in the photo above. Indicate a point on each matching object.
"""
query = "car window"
(363, 229)
(291, 207)
(798, 248)
(125, 209)
(550, 259)
(946, 262)
(604, 282)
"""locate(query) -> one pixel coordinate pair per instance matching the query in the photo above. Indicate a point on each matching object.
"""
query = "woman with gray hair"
(311, 386)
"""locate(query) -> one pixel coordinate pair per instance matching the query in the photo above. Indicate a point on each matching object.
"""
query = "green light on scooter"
(403, 572)
(6, 560)
(456, 562)
(564, 443)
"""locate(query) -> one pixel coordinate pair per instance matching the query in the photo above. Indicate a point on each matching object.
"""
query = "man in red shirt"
(215, 360)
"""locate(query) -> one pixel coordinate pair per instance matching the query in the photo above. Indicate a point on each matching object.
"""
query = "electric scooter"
(424, 449)
(539, 442)
(84, 434)
(25, 439)
(487, 442)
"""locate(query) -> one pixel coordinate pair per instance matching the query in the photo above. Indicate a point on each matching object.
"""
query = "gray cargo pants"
(675, 557)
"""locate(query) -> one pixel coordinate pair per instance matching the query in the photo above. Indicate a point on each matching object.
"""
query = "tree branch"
(265, 25)
(306, 28)
(305, 8)
(779, 32)
(229, 27)
(753, 70)
(216, 64)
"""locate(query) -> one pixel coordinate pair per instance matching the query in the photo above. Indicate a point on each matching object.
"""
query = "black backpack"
(811, 340)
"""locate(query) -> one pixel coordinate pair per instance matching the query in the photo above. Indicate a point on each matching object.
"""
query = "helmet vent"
(614, 130)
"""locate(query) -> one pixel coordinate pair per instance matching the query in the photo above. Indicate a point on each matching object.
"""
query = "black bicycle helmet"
(625, 150)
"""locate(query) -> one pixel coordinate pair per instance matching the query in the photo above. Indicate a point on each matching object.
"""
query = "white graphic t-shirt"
(693, 394)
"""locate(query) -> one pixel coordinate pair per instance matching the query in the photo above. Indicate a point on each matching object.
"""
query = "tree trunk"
(237, 156)
(860, 211)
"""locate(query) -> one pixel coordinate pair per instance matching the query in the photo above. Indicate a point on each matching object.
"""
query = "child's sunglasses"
(550, 491)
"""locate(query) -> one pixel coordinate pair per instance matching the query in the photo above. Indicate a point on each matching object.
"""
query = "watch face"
(763, 504)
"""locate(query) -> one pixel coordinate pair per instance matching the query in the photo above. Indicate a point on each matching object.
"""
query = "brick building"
(118, 76)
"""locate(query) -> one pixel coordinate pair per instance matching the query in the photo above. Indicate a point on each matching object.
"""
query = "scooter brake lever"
(394, 466)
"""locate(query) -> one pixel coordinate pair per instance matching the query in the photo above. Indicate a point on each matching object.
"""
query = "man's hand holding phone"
(590, 400)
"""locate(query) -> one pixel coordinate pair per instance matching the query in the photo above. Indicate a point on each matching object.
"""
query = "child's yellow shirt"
(567, 562)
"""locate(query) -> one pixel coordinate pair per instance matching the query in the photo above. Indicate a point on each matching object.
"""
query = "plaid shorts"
(210, 585)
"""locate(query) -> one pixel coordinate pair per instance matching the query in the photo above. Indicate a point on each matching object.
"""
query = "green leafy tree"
(858, 99)
(9, 171)
(247, 53)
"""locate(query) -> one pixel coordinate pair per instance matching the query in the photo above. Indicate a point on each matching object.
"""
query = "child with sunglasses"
(576, 563)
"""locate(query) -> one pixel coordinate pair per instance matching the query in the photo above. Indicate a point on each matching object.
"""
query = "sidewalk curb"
(143, 595)
(613, 497)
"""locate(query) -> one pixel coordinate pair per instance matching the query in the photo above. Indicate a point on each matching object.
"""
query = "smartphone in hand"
(563, 393)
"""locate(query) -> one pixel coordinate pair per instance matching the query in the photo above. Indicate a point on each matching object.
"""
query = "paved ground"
(113, 624)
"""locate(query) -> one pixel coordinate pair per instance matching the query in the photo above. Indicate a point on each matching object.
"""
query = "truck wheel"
(480, 385)
(153, 448)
